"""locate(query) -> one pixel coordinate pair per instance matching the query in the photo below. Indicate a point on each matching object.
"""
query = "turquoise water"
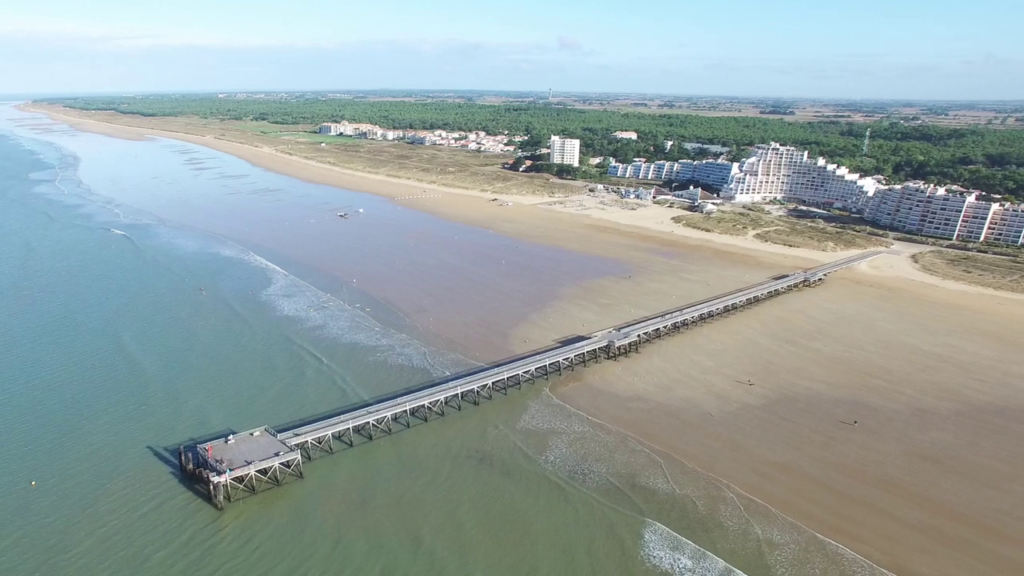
(137, 313)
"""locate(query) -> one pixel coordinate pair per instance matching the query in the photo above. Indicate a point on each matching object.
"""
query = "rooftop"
(245, 448)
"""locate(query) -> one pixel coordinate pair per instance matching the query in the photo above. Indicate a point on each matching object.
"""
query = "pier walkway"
(248, 462)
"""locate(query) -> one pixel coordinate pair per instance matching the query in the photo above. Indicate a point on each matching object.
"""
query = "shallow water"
(152, 292)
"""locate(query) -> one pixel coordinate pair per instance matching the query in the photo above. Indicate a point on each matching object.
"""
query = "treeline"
(987, 159)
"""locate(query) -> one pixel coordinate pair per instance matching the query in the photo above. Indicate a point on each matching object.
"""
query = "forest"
(984, 158)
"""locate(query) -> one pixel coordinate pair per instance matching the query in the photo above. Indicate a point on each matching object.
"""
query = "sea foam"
(669, 552)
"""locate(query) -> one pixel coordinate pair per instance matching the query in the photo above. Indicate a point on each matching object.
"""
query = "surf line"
(643, 444)
(59, 177)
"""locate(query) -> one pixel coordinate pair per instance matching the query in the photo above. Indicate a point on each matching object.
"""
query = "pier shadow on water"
(168, 455)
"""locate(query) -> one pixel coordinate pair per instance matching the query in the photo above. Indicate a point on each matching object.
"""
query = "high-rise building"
(1006, 226)
(946, 212)
(565, 151)
(783, 172)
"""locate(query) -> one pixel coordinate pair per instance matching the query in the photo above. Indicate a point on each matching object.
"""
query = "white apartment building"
(783, 172)
(686, 171)
(330, 129)
(951, 213)
(344, 128)
(715, 173)
(565, 151)
(1006, 226)
(709, 172)
(767, 174)
(975, 221)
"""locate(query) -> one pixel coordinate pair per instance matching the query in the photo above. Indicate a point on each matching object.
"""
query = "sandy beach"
(883, 409)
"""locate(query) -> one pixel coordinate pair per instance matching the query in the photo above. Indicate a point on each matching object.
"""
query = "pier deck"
(248, 462)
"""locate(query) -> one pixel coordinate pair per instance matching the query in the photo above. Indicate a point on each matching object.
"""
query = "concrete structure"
(269, 459)
(950, 213)
(696, 196)
(330, 129)
(565, 151)
(1006, 226)
(710, 148)
(714, 173)
(707, 172)
(783, 172)
(625, 135)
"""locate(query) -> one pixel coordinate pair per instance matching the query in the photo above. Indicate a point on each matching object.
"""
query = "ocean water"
(145, 301)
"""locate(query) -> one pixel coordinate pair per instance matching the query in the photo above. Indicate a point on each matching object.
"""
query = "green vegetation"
(782, 231)
(567, 172)
(988, 159)
(998, 272)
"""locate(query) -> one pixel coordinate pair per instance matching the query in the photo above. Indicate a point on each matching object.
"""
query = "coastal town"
(771, 172)
(478, 141)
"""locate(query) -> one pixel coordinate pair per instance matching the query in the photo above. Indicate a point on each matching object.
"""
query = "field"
(780, 230)
(997, 272)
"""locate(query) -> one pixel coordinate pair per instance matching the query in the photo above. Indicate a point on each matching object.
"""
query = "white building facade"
(949, 213)
(565, 151)
(783, 172)
(709, 172)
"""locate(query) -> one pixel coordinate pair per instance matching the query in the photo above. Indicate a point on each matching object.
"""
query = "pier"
(249, 462)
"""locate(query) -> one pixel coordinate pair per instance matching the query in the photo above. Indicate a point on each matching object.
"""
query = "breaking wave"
(669, 552)
(326, 315)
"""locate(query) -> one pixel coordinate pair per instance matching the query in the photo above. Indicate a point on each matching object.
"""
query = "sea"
(153, 292)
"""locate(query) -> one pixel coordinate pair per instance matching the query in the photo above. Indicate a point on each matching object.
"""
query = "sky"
(901, 49)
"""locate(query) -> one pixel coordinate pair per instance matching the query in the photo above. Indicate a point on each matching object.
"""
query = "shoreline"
(653, 221)
(667, 407)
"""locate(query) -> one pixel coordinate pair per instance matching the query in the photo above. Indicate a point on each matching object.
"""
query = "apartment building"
(565, 151)
(714, 173)
(975, 221)
(951, 213)
(330, 129)
(708, 172)
(783, 172)
(344, 128)
(1006, 225)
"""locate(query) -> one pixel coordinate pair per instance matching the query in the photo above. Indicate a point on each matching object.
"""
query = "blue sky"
(935, 49)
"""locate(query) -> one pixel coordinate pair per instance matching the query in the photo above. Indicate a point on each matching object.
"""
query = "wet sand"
(926, 482)
(880, 414)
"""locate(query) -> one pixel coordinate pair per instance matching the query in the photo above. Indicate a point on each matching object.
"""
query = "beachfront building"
(920, 208)
(783, 172)
(565, 151)
(951, 213)
(707, 172)
(714, 173)
(1006, 226)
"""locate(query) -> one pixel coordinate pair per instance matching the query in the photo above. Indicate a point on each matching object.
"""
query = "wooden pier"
(249, 462)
